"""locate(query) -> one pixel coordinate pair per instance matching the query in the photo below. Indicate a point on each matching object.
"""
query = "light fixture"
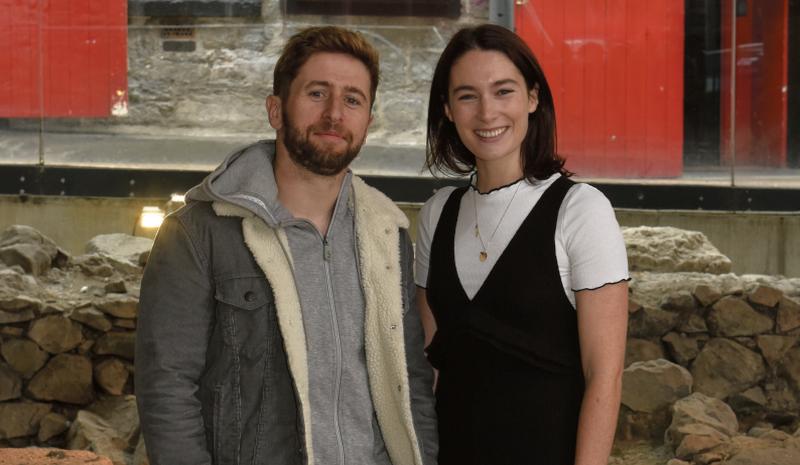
(151, 217)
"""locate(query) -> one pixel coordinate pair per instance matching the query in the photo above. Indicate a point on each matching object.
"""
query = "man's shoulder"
(375, 204)
(199, 219)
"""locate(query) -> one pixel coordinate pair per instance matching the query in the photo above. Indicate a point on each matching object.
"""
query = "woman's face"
(489, 102)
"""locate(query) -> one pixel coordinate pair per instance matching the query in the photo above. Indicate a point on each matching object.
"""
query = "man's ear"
(274, 112)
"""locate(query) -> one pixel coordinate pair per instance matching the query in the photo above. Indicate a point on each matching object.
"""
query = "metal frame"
(26, 180)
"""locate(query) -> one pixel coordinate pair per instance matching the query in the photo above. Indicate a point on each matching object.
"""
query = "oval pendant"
(483, 255)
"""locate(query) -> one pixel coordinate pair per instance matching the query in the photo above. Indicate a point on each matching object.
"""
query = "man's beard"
(318, 160)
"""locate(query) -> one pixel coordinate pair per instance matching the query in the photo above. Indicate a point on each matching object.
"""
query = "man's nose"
(334, 109)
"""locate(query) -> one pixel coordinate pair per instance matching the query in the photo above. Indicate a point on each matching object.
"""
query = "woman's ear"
(447, 112)
(274, 112)
(533, 99)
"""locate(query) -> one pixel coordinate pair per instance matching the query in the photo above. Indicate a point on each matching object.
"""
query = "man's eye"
(466, 97)
(352, 101)
(316, 94)
(505, 91)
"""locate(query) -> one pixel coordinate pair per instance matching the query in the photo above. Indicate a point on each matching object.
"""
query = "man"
(276, 319)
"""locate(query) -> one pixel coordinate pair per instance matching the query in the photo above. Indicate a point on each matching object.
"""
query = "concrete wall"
(763, 243)
(72, 221)
(760, 243)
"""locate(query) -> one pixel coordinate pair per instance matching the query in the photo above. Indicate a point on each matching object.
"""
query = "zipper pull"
(326, 250)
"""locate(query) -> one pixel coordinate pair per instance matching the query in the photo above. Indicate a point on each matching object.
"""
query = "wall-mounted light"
(151, 217)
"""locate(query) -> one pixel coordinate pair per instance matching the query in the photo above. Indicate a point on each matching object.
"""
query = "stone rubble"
(712, 361)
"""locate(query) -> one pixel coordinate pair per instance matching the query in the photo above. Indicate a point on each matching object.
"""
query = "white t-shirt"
(589, 247)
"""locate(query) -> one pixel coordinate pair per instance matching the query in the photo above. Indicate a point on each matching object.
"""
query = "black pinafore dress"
(510, 381)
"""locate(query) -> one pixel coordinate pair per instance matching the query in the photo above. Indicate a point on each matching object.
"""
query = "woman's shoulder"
(586, 198)
(432, 209)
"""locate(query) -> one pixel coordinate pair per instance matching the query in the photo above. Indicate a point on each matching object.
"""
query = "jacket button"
(250, 296)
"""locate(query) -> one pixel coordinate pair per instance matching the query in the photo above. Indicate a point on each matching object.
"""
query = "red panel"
(618, 81)
(636, 78)
(616, 136)
(571, 112)
(72, 53)
(656, 132)
(594, 85)
(675, 75)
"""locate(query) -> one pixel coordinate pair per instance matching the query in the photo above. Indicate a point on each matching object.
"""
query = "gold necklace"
(483, 255)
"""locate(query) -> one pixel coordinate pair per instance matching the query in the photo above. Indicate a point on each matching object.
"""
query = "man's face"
(323, 122)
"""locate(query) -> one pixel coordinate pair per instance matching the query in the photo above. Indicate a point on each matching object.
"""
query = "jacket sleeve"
(420, 373)
(176, 309)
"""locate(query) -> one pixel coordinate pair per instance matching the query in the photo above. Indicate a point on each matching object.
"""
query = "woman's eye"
(466, 97)
(505, 91)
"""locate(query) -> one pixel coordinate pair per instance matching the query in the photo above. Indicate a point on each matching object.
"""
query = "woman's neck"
(491, 176)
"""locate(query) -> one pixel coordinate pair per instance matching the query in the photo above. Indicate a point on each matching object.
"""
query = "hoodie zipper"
(337, 385)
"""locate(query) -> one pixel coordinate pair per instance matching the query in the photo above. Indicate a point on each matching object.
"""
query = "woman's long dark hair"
(446, 153)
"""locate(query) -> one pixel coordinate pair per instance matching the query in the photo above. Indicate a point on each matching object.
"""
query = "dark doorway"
(701, 106)
(793, 133)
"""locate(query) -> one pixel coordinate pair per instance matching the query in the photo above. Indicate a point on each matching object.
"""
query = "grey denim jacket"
(221, 370)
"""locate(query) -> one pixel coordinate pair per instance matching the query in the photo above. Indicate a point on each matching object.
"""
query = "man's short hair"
(330, 39)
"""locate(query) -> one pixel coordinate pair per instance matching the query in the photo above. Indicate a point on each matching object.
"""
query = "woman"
(522, 275)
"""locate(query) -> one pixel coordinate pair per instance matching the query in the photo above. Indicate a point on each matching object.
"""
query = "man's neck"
(305, 194)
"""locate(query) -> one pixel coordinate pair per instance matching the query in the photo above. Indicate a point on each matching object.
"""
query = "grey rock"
(65, 378)
(732, 316)
(116, 343)
(91, 432)
(140, 453)
(706, 295)
(651, 323)
(765, 296)
(24, 356)
(653, 385)
(702, 415)
(116, 287)
(30, 257)
(28, 248)
(56, 333)
(668, 249)
(724, 368)
(16, 317)
(693, 324)
(10, 384)
(119, 306)
(91, 317)
(774, 347)
(51, 426)
(642, 350)
(111, 375)
(681, 301)
(120, 413)
(120, 246)
(695, 444)
(18, 303)
(19, 419)
(765, 456)
(790, 367)
(788, 315)
(682, 348)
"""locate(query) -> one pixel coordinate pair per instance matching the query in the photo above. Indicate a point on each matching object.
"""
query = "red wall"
(616, 70)
(63, 58)
(762, 54)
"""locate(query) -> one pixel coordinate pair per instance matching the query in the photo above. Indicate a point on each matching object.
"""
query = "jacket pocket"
(225, 448)
(246, 309)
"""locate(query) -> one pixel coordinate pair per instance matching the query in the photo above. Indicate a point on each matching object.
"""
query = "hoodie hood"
(245, 179)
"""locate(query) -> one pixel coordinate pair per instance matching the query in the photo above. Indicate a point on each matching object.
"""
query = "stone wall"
(701, 346)
(219, 88)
